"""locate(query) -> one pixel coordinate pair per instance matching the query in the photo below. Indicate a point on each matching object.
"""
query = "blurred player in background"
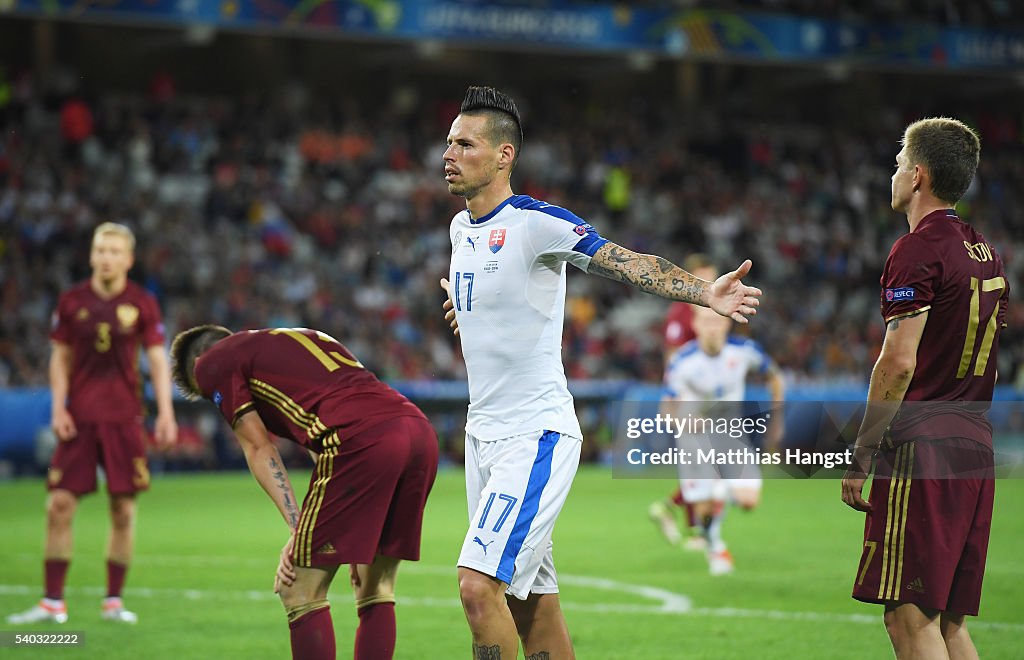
(507, 301)
(99, 327)
(376, 463)
(944, 300)
(679, 331)
(710, 373)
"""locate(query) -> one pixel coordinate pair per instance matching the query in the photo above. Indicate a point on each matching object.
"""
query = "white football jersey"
(507, 280)
(693, 375)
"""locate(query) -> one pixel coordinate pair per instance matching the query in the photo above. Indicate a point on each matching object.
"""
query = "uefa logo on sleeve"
(900, 294)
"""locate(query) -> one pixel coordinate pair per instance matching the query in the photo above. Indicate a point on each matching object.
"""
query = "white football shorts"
(515, 488)
(701, 482)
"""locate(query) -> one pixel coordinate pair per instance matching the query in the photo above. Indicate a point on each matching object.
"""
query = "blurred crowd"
(293, 211)
(950, 13)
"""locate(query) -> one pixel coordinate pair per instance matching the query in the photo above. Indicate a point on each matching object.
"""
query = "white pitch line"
(670, 607)
(670, 602)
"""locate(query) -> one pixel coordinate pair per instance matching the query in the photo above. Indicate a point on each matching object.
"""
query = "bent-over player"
(376, 462)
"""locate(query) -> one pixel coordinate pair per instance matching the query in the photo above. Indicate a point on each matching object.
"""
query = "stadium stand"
(293, 206)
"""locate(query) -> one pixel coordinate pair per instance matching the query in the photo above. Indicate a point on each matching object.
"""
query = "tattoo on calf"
(486, 652)
(539, 655)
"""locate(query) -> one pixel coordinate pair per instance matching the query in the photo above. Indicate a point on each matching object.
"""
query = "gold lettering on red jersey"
(82, 314)
(980, 252)
(141, 477)
(102, 344)
(324, 357)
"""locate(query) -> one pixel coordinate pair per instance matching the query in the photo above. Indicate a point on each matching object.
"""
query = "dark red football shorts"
(118, 446)
(926, 538)
(367, 494)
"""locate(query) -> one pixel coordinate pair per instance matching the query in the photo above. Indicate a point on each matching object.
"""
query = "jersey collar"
(484, 218)
(941, 214)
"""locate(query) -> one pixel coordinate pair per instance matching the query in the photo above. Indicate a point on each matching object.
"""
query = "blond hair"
(116, 229)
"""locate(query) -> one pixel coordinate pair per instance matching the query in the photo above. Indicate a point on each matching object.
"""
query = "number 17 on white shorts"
(515, 489)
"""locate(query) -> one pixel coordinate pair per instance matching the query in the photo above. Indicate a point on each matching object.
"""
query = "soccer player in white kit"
(506, 289)
(710, 373)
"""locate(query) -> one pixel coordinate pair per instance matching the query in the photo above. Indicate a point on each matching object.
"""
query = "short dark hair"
(187, 346)
(949, 149)
(504, 124)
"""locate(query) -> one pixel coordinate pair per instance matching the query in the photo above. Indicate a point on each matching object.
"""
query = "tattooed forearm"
(486, 652)
(649, 273)
(539, 655)
(281, 481)
(597, 269)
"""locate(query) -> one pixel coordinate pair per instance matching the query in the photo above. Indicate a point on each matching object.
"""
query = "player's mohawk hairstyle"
(506, 125)
(186, 347)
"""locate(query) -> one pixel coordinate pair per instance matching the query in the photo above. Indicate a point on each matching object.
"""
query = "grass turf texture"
(207, 548)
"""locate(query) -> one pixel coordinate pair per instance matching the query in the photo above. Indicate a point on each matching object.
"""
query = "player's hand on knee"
(449, 308)
(63, 425)
(285, 575)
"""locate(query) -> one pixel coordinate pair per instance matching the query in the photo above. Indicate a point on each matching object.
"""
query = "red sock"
(691, 516)
(313, 636)
(55, 570)
(115, 578)
(677, 498)
(375, 637)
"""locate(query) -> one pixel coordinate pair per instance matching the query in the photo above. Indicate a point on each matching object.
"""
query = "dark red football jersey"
(105, 337)
(949, 269)
(678, 325)
(301, 382)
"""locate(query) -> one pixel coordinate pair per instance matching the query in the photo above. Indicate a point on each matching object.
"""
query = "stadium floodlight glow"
(837, 71)
(677, 42)
(429, 49)
(199, 34)
(640, 61)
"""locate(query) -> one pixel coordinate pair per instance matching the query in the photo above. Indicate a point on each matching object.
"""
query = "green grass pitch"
(207, 548)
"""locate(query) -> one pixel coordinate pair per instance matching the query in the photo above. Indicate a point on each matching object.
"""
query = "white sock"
(713, 530)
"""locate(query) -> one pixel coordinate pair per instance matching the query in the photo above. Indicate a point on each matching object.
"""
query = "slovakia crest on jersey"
(497, 240)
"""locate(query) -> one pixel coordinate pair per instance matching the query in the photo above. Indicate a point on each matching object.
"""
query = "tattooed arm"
(266, 465)
(890, 378)
(656, 275)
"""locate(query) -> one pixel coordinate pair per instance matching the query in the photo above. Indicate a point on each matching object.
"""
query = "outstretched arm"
(656, 275)
(266, 465)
